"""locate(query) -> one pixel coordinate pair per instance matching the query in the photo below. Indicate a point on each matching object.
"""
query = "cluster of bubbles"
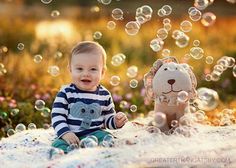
(20, 127)
(38, 58)
(20, 46)
(222, 64)
(55, 13)
(118, 59)
(224, 117)
(97, 35)
(54, 70)
(3, 70)
(165, 10)
(181, 39)
(40, 106)
(156, 44)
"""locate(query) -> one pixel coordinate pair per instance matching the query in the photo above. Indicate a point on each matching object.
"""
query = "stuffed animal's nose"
(171, 81)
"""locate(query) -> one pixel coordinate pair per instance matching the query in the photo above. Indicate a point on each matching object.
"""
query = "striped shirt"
(66, 118)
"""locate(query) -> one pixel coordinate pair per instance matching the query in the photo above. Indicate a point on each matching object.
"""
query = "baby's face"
(87, 70)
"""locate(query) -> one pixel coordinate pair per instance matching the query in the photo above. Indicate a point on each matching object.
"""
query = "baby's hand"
(120, 119)
(71, 138)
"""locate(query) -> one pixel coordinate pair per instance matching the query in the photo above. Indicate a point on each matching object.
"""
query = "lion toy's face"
(172, 78)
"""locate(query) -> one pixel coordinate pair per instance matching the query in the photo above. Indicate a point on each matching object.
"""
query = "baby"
(84, 107)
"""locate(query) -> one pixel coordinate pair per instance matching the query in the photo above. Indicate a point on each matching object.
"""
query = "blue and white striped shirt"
(68, 118)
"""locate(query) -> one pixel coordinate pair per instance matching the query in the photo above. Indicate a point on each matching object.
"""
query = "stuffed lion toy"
(165, 80)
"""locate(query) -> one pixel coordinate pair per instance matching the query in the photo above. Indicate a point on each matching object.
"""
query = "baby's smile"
(86, 81)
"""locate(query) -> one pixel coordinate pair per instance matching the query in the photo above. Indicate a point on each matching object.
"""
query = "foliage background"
(26, 81)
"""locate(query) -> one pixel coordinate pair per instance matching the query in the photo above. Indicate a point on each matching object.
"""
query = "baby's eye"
(165, 69)
(80, 69)
(93, 69)
(83, 110)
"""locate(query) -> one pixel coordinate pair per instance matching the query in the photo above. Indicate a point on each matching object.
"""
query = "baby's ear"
(103, 72)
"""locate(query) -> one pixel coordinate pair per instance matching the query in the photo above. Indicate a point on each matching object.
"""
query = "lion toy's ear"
(148, 77)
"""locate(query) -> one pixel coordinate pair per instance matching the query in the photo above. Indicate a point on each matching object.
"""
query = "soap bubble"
(55, 13)
(123, 104)
(39, 104)
(215, 76)
(132, 28)
(199, 115)
(167, 26)
(143, 14)
(165, 52)
(117, 14)
(93, 137)
(14, 112)
(132, 71)
(111, 25)
(209, 59)
(133, 83)
(166, 21)
(182, 40)
(88, 143)
(31, 126)
(106, 2)
(133, 108)
(20, 127)
(208, 19)
(201, 4)
(196, 52)
(118, 59)
(156, 44)
(45, 112)
(161, 12)
(195, 15)
(46, 1)
(176, 34)
(38, 58)
(231, 62)
(208, 99)
(58, 55)
(174, 123)
(208, 77)
(196, 43)
(167, 9)
(108, 141)
(115, 80)
(186, 26)
(3, 115)
(159, 119)
(20, 46)
(234, 71)
(162, 33)
(54, 70)
(10, 132)
(182, 96)
(97, 35)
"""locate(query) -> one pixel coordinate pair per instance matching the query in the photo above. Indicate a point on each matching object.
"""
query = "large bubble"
(207, 99)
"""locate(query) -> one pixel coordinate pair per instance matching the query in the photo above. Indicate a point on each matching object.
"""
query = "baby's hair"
(88, 47)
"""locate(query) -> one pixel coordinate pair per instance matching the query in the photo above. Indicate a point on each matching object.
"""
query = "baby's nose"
(171, 81)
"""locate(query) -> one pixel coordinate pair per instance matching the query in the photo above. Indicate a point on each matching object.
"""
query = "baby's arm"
(59, 116)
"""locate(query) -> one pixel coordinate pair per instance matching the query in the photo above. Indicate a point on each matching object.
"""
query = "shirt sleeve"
(59, 114)
(109, 121)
